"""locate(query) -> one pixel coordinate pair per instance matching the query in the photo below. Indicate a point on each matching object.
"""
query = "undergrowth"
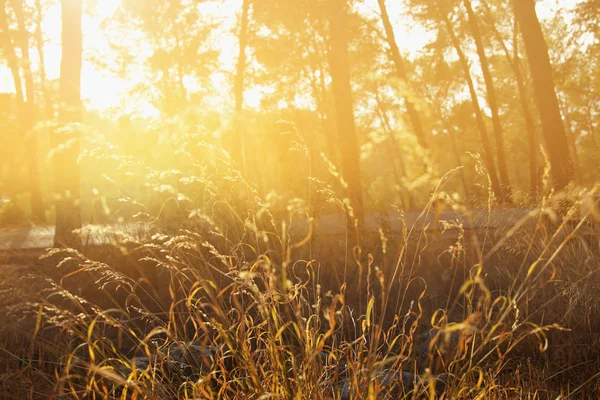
(238, 296)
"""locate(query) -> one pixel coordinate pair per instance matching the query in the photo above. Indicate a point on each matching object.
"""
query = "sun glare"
(99, 89)
(107, 93)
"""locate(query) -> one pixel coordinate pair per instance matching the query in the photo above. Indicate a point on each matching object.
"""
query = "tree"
(296, 48)
(397, 162)
(25, 98)
(492, 101)
(555, 137)
(67, 136)
(411, 109)
(488, 153)
(39, 42)
(237, 146)
(178, 50)
(514, 61)
(337, 15)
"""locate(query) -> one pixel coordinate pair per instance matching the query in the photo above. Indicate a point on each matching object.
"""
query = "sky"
(107, 93)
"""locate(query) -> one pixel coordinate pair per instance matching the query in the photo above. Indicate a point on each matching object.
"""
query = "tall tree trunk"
(319, 96)
(319, 91)
(411, 109)
(571, 136)
(515, 62)
(492, 101)
(68, 211)
(236, 139)
(321, 51)
(393, 145)
(553, 129)
(37, 205)
(532, 142)
(342, 93)
(456, 153)
(39, 42)
(13, 62)
(488, 152)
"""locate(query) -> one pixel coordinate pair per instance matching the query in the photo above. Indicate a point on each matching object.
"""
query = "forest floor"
(566, 294)
(41, 237)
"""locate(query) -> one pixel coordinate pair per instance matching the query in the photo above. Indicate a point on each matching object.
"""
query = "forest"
(299, 199)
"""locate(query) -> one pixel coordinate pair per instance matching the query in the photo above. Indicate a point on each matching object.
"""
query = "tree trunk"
(319, 90)
(492, 101)
(11, 57)
(236, 139)
(393, 145)
(68, 212)
(532, 141)
(456, 153)
(38, 214)
(413, 114)
(488, 153)
(515, 62)
(321, 51)
(342, 94)
(39, 41)
(571, 137)
(553, 129)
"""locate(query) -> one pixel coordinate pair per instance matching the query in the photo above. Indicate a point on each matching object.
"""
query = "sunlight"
(104, 91)
(277, 199)
(411, 36)
(99, 89)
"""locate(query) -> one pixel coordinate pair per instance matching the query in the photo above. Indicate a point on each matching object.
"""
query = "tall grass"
(235, 295)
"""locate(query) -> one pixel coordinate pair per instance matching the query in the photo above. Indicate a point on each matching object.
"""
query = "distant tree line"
(493, 79)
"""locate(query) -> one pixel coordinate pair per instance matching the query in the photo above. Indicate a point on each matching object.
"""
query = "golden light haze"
(104, 91)
(300, 199)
